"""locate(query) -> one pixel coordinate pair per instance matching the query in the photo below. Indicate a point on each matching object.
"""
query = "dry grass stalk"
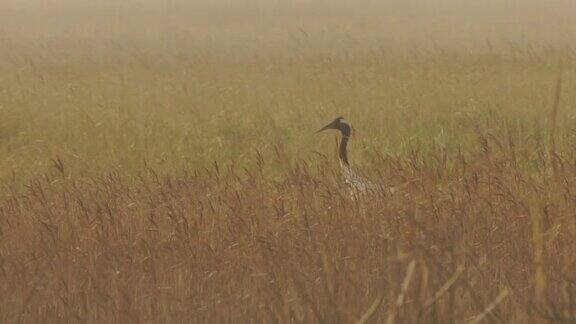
(403, 288)
(372, 309)
(444, 287)
(490, 308)
(554, 118)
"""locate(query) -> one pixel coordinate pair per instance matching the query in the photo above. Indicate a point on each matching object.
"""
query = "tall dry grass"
(157, 162)
(228, 244)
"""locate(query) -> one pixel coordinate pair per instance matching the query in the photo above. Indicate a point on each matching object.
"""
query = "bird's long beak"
(329, 126)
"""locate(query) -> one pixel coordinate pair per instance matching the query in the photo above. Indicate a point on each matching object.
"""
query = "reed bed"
(158, 162)
(479, 239)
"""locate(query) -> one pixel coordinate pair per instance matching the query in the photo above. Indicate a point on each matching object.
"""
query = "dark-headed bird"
(358, 184)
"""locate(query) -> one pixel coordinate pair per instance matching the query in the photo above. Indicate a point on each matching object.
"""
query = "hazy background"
(108, 85)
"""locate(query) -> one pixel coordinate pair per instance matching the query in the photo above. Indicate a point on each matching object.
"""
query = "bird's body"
(356, 182)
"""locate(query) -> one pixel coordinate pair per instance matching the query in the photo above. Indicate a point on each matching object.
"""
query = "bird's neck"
(343, 151)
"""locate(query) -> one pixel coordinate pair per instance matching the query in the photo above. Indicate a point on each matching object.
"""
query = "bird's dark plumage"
(357, 182)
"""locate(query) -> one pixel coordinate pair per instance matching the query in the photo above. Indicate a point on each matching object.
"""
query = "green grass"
(180, 90)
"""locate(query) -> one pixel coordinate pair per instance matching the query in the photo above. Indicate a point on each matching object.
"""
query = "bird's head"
(339, 124)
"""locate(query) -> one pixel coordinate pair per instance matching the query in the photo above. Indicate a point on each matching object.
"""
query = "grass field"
(158, 161)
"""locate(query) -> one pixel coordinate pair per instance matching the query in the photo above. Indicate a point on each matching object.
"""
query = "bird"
(356, 182)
